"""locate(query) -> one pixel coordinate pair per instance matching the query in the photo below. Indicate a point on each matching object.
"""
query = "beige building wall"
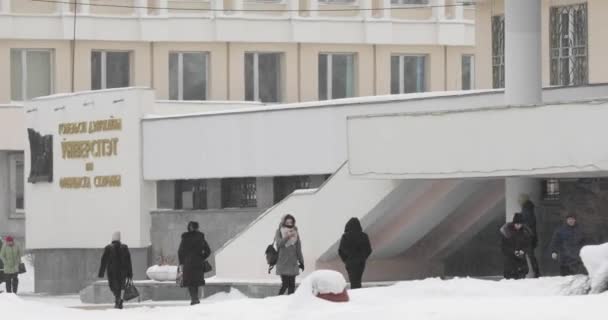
(597, 13)
(218, 67)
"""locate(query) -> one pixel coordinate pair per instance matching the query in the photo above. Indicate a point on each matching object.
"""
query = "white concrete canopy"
(485, 142)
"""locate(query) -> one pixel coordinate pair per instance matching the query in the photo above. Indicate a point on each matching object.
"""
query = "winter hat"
(116, 236)
(518, 218)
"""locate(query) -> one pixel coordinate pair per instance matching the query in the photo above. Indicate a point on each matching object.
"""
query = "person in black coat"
(354, 250)
(529, 220)
(116, 259)
(516, 244)
(192, 253)
(566, 247)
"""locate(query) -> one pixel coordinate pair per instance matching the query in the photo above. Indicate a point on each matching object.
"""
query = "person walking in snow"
(290, 254)
(192, 253)
(516, 244)
(354, 250)
(10, 254)
(116, 260)
(566, 245)
(529, 220)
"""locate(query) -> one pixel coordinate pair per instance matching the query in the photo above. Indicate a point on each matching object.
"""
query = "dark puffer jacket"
(515, 267)
(355, 247)
(192, 253)
(567, 243)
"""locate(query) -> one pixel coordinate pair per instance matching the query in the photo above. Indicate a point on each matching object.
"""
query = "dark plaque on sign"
(41, 155)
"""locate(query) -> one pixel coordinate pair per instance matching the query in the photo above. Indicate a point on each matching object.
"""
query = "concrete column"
(313, 5)
(523, 52)
(217, 6)
(438, 9)
(214, 193)
(265, 192)
(141, 10)
(366, 6)
(514, 187)
(386, 12)
(163, 7)
(5, 6)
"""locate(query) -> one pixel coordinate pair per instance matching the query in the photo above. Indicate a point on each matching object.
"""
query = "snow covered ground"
(458, 299)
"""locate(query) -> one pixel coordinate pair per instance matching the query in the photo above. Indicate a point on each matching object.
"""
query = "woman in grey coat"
(290, 254)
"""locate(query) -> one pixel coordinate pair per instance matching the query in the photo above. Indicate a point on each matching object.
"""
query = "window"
(263, 77)
(408, 73)
(409, 2)
(468, 72)
(191, 194)
(284, 186)
(239, 193)
(336, 75)
(188, 76)
(498, 51)
(17, 184)
(110, 69)
(31, 73)
(569, 45)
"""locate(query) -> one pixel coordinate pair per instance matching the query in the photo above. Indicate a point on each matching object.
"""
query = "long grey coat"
(289, 257)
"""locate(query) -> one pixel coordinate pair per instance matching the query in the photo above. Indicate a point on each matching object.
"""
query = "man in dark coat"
(192, 253)
(566, 246)
(354, 250)
(116, 259)
(516, 244)
(529, 220)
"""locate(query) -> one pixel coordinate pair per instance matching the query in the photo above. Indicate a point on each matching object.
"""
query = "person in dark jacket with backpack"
(566, 247)
(116, 260)
(529, 220)
(192, 253)
(354, 250)
(516, 245)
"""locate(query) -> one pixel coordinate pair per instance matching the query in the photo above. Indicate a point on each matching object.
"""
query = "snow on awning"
(552, 140)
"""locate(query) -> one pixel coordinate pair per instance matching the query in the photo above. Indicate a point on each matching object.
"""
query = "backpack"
(272, 256)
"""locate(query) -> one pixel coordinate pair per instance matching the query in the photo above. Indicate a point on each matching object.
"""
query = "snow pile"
(595, 259)
(162, 273)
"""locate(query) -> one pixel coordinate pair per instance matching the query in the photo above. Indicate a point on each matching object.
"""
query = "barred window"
(284, 186)
(569, 64)
(498, 51)
(239, 193)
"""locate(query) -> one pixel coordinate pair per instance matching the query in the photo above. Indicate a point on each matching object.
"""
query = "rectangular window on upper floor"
(409, 2)
(568, 38)
(468, 71)
(31, 73)
(336, 75)
(110, 69)
(188, 75)
(408, 73)
(263, 77)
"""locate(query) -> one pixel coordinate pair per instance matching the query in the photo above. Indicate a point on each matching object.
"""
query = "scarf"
(285, 232)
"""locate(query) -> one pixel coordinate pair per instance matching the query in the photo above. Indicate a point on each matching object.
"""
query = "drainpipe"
(523, 83)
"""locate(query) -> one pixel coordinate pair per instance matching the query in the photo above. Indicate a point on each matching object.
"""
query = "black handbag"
(130, 291)
(207, 266)
(22, 268)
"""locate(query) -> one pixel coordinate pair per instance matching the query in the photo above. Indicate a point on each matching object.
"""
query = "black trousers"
(288, 283)
(12, 282)
(355, 274)
(193, 291)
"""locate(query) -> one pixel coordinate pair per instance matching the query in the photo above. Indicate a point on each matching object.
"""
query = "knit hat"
(518, 218)
(116, 236)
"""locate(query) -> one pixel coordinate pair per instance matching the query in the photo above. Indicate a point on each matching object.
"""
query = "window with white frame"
(409, 2)
(468, 71)
(263, 76)
(569, 64)
(498, 51)
(408, 73)
(31, 73)
(336, 75)
(17, 184)
(188, 75)
(110, 69)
